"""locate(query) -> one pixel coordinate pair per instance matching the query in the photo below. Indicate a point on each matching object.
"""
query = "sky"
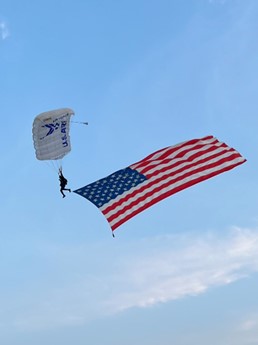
(145, 74)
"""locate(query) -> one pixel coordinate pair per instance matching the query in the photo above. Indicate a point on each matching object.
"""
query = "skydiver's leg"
(61, 190)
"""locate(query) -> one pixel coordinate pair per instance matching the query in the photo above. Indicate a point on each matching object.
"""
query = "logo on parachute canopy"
(53, 127)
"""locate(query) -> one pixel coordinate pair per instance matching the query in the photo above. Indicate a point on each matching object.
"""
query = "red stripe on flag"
(163, 196)
(163, 193)
(169, 171)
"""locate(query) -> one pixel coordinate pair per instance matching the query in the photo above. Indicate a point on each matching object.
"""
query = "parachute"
(51, 134)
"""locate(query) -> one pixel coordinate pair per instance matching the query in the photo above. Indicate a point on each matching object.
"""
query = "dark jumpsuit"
(63, 183)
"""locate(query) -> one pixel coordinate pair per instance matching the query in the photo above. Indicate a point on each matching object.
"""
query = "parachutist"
(63, 183)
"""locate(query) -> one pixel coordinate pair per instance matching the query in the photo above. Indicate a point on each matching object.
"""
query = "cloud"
(4, 31)
(250, 324)
(199, 264)
(136, 274)
(247, 331)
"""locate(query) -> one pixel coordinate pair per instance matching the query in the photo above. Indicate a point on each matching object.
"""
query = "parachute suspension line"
(58, 165)
(55, 165)
(52, 165)
(82, 123)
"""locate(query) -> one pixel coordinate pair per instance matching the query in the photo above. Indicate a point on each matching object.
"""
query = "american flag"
(127, 192)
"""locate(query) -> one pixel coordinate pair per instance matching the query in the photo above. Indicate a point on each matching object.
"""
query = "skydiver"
(63, 182)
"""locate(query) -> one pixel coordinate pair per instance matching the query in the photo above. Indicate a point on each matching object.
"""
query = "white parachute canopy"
(51, 134)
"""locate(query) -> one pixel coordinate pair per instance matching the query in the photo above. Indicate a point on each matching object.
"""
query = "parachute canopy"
(51, 134)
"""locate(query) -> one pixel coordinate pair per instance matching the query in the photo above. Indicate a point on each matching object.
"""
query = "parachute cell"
(51, 134)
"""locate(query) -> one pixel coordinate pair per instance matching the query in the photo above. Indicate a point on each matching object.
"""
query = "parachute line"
(79, 122)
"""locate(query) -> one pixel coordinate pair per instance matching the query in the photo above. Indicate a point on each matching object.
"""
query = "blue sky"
(145, 75)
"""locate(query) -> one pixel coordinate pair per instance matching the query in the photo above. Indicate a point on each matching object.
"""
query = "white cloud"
(138, 274)
(4, 31)
(198, 265)
(246, 332)
(250, 324)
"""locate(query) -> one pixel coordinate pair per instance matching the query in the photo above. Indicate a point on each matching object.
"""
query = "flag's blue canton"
(106, 189)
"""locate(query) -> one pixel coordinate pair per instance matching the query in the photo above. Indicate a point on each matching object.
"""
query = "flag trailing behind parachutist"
(129, 191)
